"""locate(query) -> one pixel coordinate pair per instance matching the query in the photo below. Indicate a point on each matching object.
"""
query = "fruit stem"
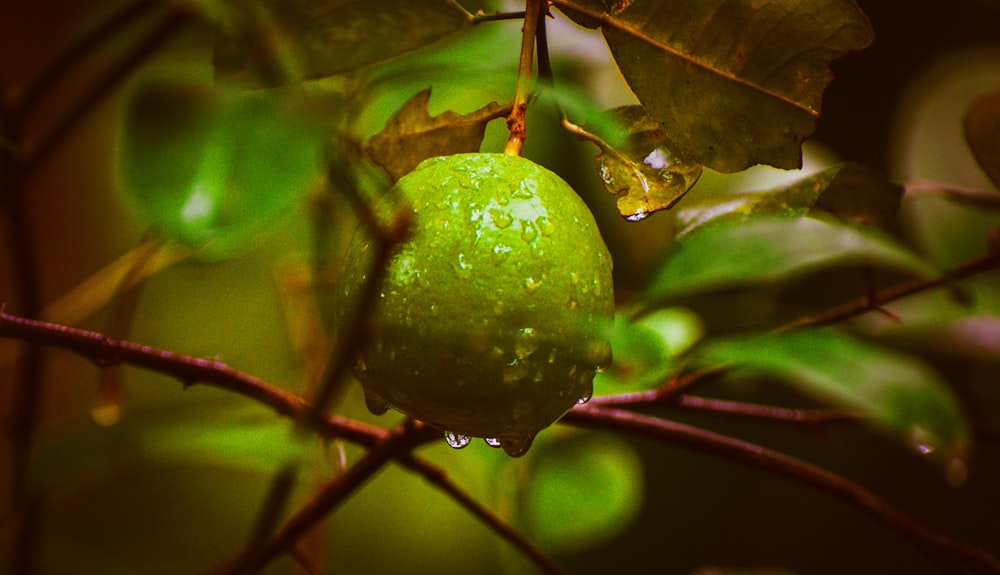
(533, 11)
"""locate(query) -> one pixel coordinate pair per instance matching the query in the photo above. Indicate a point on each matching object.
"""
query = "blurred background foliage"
(173, 486)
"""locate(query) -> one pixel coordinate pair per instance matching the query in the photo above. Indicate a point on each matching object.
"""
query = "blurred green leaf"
(274, 42)
(644, 350)
(851, 192)
(583, 491)
(212, 170)
(762, 251)
(982, 132)
(251, 441)
(896, 391)
(728, 90)
(644, 174)
(412, 135)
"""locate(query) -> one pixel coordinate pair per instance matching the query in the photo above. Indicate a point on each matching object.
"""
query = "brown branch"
(399, 442)
(480, 16)
(767, 412)
(189, 370)
(945, 551)
(387, 240)
(439, 478)
(985, 263)
(534, 10)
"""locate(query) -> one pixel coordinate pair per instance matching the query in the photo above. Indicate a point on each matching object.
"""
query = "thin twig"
(533, 11)
(402, 440)
(985, 263)
(439, 478)
(480, 16)
(767, 412)
(664, 394)
(189, 370)
(386, 241)
(946, 551)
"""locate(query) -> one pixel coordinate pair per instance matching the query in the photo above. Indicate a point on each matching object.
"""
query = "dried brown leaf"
(412, 135)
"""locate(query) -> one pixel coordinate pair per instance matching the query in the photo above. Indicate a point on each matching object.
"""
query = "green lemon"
(495, 314)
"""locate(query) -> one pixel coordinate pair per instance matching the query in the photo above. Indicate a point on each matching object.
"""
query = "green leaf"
(733, 82)
(584, 491)
(211, 170)
(644, 350)
(896, 391)
(412, 135)
(763, 251)
(644, 174)
(851, 192)
(982, 132)
(275, 42)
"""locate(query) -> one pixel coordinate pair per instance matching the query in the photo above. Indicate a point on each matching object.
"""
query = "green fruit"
(495, 314)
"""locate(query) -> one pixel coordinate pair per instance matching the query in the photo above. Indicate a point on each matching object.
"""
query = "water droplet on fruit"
(516, 447)
(514, 372)
(456, 440)
(375, 405)
(526, 190)
(528, 231)
(463, 266)
(500, 253)
(599, 354)
(532, 285)
(525, 343)
(501, 218)
(492, 441)
(572, 303)
(537, 250)
(545, 226)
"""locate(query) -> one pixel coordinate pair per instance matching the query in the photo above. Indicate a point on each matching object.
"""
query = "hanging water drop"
(375, 404)
(516, 447)
(492, 441)
(456, 440)
(586, 396)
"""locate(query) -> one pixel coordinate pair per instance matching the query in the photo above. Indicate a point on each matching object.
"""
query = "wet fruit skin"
(495, 313)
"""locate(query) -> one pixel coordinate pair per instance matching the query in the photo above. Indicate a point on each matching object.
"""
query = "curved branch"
(945, 551)
(400, 441)
(105, 352)
(985, 263)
